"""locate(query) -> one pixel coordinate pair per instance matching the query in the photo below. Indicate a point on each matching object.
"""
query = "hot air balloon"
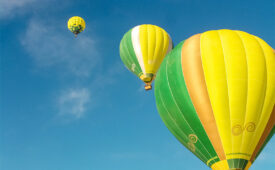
(142, 50)
(216, 93)
(76, 25)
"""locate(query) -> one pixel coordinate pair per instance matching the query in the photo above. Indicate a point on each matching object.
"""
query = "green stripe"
(127, 54)
(176, 108)
(168, 116)
(210, 163)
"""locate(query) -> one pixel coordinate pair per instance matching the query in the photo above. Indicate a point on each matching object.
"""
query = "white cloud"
(72, 103)
(9, 7)
(51, 45)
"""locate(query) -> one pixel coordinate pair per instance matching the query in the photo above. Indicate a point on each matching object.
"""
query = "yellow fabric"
(154, 43)
(221, 165)
(145, 78)
(235, 66)
(270, 91)
(75, 21)
(255, 99)
(215, 77)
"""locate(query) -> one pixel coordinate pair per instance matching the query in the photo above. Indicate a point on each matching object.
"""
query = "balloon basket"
(148, 87)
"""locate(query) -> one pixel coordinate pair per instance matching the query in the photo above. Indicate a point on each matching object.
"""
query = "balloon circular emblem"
(216, 93)
(142, 50)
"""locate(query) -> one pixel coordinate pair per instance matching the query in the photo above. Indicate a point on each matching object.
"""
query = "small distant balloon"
(76, 25)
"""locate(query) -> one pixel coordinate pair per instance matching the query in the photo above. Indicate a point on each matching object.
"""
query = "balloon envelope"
(216, 93)
(76, 25)
(142, 50)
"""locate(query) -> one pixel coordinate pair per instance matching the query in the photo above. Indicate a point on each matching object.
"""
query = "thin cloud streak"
(73, 103)
(12, 8)
(9, 7)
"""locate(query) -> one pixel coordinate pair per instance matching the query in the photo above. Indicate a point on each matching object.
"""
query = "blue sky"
(70, 104)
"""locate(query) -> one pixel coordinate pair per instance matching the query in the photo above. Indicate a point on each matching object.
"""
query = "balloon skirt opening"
(147, 78)
(232, 164)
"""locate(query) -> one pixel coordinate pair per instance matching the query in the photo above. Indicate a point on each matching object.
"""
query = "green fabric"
(237, 163)
(76, 29)
(176, 108)
(127, 54)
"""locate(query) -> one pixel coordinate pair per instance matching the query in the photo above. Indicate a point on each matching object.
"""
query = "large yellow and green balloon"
(216, 93)
(142, 50)
(76, 25)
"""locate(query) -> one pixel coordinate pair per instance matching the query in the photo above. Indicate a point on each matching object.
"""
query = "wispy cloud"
(9, 7)
(72, 103)
(51, 45)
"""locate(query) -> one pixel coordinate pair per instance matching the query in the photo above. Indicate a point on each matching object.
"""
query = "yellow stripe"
(164, 48)
(237, 156)
(221, 165)
(154, 42)
(236, 75)
(216, 81)
(270, 92)
(151, 31)
(256, 88)
(158, 50)
(143, 35)
(207, 163)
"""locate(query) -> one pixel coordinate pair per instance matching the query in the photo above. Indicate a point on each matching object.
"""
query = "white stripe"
(137, 47)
